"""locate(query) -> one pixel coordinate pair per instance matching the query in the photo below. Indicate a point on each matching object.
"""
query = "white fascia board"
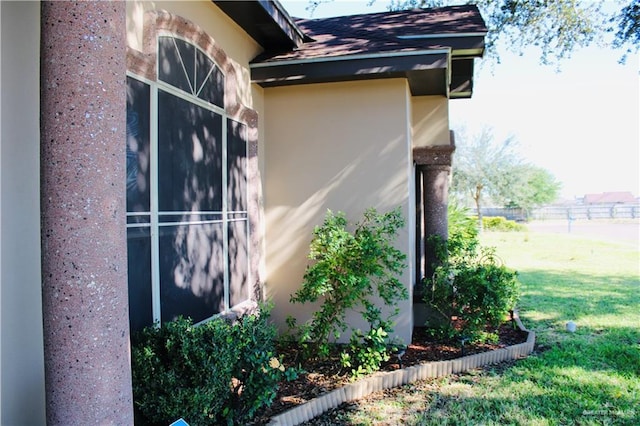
(446, 51)
(459, 95)
(470, 53)
(442, 35)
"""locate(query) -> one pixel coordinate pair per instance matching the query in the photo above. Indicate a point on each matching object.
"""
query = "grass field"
(590, 377)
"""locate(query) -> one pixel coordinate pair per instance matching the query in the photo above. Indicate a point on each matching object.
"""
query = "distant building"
(610, 198)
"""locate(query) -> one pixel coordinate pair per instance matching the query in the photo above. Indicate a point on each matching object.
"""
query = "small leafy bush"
(499, 223)
(463, 235)
(366, 352)
(470, 285)
(352, 271)
(257, 370)
(212, 373)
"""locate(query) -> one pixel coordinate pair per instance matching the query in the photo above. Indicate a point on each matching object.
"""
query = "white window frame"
(227, 216)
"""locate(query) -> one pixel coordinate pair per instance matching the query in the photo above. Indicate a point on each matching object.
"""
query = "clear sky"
(581, 123)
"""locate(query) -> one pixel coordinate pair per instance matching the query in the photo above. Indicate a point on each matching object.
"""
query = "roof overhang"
(436, 63)
(266, 21)
(426, 71)
(461, 84)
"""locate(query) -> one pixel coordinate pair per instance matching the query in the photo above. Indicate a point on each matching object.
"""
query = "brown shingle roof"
(377, 33)
(433, 49)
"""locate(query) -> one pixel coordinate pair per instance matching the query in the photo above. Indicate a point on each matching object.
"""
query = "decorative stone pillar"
(84, 251)
(433, 167)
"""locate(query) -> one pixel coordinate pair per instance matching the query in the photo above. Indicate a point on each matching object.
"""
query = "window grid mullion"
(225, 207)
(153, 201)
(246, 207)
(195, 72)
(189, 97)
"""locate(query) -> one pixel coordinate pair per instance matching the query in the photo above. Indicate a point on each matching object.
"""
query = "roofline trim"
(441, 35)
(280, 8)
(351, 57)
(460, 95)
(468, 53)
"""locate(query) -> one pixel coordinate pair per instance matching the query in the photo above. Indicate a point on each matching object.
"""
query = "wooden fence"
(576, 212)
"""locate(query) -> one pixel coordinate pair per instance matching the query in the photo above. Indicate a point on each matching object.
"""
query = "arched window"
(187, 220)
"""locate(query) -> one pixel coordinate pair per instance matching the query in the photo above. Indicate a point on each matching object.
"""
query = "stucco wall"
(339, 146)
(430, 120)
(22, 364)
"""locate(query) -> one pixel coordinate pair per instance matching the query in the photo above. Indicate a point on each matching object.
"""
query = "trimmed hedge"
(212, 373)
(499, 223)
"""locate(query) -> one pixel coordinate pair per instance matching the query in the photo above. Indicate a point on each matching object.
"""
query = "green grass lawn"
(590, 377)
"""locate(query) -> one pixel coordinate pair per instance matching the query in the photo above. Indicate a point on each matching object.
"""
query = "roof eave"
(266, 21)
(441, 63)
(426, 71)
(462, 71)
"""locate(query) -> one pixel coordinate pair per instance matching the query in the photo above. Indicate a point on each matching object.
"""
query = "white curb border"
(391, 379)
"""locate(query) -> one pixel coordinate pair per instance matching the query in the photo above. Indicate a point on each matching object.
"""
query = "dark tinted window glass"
(192, 224)
(139, 267)
(189, 156)
(185, 67)
(210, 84)
(170, 65)
(238, 262)
(187, 53)
(137, 146)
(236, 166)
(191, 271)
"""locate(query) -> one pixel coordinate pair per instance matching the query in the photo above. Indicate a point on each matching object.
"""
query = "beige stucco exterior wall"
(430, 120)
(22, 394)
(339, 146)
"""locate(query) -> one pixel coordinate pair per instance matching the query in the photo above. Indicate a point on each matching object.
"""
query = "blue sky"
(581, 123)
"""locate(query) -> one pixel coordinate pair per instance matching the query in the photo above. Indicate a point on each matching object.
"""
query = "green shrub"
(476, 290)
(352, 271)
(469, 284)
(212, 373)
(257, 370)
(499, 223)
(463, 234)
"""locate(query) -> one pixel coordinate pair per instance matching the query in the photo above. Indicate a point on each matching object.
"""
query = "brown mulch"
(322, 376)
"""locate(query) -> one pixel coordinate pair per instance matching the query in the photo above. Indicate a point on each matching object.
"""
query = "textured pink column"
(433, 164)
(84, 258)
(436, 200)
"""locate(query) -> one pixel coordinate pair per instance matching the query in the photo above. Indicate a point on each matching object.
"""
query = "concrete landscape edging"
(391, 379)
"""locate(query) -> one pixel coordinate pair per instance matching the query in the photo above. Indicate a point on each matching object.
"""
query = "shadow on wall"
(375, 178)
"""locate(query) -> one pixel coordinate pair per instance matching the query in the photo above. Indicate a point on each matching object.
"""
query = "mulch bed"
(323, 376)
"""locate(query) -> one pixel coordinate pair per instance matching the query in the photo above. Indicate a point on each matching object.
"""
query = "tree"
(531, 187)
(628, 23)
(482, 168)
(486, 170)
(556, 27)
